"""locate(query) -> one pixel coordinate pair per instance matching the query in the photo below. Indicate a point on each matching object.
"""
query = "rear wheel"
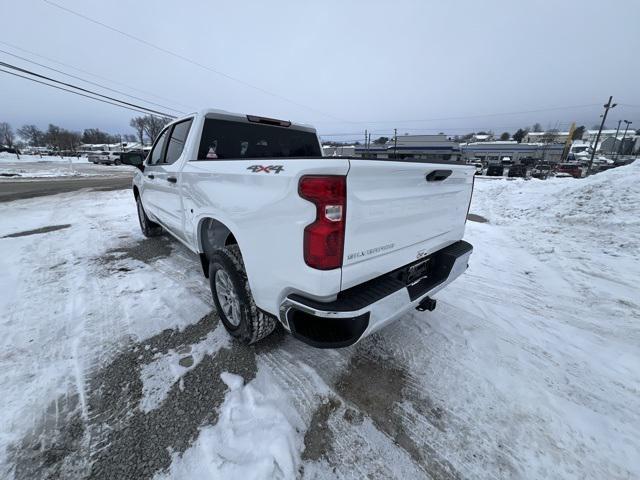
(149, 228)
(232, 296)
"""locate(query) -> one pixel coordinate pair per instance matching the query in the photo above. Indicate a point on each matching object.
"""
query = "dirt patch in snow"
(36, 231)
(117, 439)
(376, 385)
(145, 251)
(318, 441)
(472, 217)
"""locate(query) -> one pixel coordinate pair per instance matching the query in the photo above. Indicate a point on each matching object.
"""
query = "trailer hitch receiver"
(427, 303)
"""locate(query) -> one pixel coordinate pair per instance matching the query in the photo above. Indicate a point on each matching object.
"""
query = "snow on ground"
(13, 158)
(528, 368)
(32, 166)
(63, 306)
(256, 437)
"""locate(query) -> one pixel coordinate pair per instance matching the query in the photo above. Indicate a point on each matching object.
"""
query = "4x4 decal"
(266, 168)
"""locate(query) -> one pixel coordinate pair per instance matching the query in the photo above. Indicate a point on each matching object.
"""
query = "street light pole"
(625, 131)
(615, 140)
(606, 106)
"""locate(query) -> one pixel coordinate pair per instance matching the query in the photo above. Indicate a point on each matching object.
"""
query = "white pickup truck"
(333, 248)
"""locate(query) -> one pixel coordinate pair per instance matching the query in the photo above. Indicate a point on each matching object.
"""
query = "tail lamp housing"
(324, 238)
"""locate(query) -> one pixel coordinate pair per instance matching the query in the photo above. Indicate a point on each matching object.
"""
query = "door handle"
(150, 176)
(172, 179)
(438, 175)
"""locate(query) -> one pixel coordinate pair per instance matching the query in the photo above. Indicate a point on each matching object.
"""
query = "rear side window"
(158, 149)
(176, 141)
(223, 139)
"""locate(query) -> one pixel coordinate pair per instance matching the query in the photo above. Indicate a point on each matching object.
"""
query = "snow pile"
(12, 157)
(68, 171)
(607, 204)
(256, 436)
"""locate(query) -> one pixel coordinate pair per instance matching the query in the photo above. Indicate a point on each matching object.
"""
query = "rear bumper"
(364, 309)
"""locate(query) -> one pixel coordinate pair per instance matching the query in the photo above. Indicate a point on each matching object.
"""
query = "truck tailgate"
(399, 211)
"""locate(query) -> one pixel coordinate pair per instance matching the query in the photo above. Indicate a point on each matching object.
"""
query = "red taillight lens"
(324, 238)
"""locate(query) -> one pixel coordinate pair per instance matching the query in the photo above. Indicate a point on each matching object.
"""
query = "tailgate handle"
(438, 175)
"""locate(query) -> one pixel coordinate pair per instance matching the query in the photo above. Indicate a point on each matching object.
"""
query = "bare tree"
(154, 125)
(32, 135)
(505, 136)
(536, 127)
(138, 124)
(7, 137)
(95, 135)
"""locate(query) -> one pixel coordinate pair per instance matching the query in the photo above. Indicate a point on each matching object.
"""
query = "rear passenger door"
(149, 190)
(166, 178)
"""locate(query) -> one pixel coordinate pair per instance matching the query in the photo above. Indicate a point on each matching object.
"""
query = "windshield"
(223, 139)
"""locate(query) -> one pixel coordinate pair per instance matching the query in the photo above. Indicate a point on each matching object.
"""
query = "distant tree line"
(58, 138)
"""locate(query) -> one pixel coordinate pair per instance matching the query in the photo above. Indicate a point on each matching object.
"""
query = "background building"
(423, 147)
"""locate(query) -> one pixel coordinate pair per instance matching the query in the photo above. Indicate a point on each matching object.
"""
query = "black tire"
(251, 324)
(149, 228)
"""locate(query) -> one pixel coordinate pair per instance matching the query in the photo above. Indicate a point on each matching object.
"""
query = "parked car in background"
(518, 171)
(96, 157)
(105, 158)
(541, 171)
(573, 169)
(495, 171)
(479, 168)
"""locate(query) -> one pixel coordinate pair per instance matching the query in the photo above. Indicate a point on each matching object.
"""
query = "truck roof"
(241, 117)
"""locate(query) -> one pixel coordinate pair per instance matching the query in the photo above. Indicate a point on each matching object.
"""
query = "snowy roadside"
(11, 171)
(13, 158)
(528, 368)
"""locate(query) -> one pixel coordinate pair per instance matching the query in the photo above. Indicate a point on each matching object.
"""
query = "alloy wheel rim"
(227, 297)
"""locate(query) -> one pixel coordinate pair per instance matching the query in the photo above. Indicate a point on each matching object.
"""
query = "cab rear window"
(223, 139)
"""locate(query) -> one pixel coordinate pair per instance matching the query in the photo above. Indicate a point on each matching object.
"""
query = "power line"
(15, 47)
(570, 107)
(189, 60)
(90, 82)
(28, 72)
(72, 91)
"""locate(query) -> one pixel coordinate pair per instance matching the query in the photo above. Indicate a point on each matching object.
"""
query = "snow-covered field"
(114, 366)
(34, 166)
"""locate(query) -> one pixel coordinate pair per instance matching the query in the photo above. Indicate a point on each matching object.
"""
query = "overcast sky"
(421, 66)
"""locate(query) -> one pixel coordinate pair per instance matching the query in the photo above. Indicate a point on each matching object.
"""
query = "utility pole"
(369, 141)
(625, 132)
(615, 140)
(366, 147)
(606, 106)
(395, 142)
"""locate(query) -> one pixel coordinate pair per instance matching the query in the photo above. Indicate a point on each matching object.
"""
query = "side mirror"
(133, 159)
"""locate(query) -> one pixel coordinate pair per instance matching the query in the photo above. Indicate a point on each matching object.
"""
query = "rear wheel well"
(213, 235)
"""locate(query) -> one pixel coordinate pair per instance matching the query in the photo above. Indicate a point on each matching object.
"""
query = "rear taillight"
(324, 238)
